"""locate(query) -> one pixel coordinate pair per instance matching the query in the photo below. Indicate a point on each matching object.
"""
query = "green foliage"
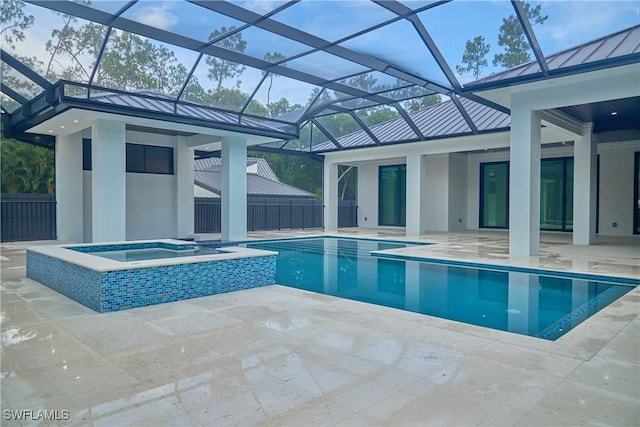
(417, 104)
(299, 171)
(26, 168)
(271, 57)
(14, 21)
(474, 58)
(222, 69)
(512, 38)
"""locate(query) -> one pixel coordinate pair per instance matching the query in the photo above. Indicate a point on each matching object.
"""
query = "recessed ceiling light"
(61, 126)
(76, 121)
(614, 113)
(50, 131)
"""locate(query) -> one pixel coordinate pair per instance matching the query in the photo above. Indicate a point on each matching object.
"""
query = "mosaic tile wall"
(78, 283)
(124, 289)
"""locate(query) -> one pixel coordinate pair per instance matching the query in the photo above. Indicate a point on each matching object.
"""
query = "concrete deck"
(281, 356)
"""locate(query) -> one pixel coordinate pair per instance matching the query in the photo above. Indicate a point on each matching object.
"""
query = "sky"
(450, 25)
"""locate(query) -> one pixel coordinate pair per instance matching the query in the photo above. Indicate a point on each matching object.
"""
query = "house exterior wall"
(150, 198)
(452, 186)
(616, 187)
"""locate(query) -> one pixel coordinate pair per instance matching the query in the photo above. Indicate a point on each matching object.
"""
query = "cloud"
(575, 22)
(158, 16)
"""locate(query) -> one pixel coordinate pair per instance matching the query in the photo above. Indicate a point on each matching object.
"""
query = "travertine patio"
(281, 356)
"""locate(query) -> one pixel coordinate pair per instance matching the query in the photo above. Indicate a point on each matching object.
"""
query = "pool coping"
(101, 264)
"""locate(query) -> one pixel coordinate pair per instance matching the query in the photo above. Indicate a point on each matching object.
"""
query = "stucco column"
(584, 187)
(234, 189)
(330, 194)
(416, 178)
(108, 181)
(69, 190)
(524, 181)
(184, 164)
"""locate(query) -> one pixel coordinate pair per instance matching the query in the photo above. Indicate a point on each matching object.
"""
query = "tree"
(512, 38)
(415, 104)
(27, 168)
(474, 58)
(222, 69)
(271, 57)
(278, 108)
(14, 22)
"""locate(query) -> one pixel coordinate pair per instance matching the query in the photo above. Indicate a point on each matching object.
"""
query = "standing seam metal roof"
(438, 120)
(625, 42)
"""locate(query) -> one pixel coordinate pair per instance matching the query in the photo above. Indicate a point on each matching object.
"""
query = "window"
(140, 158)
(494, 195)
(636, 194)
(556, 194)
(149, 159)
(86, 154)
(392, 195)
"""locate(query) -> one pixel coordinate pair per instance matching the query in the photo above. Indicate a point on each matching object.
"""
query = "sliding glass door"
(392, 195)
(494, 195)
(556, 194)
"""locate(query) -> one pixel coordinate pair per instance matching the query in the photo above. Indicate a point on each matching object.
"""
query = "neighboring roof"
(215, 164)
(625, 42)
(257, 186)
(208, 175)
(435, 121)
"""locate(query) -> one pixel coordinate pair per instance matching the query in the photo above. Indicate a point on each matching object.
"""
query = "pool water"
(125, 255)
(541, 305)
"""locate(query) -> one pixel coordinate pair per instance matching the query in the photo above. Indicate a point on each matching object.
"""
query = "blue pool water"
(144, 251)
(537, 305)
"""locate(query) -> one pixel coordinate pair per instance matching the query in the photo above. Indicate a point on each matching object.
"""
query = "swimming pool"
(540, 305)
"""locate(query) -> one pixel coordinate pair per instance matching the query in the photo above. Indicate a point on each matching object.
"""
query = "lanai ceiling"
(302, 73)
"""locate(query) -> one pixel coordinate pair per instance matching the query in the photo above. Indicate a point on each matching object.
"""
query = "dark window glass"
(636, 195)
(135, 158)
(158, 159)
(86, 154)
(556, 194)
(494, 195)
(149, 159)
(392, 195)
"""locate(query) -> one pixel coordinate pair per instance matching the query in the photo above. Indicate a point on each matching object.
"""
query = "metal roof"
(257, 186)
(153, 101)
(327, 57)
(625, 42)
(215, 164)
(436, 121)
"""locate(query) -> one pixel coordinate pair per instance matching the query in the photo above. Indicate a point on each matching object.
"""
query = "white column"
(523, 302)
(330, 195)
(584, 187)
(108, 181)
(524, 181)
(234, 189)
(69, 188)
(412, 286)
(416, 178)
(184, 165)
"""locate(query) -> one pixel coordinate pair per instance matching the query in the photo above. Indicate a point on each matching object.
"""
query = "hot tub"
(122, 275)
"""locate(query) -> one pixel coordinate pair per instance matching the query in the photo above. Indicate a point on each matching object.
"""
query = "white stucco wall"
(457, 192)
(150, 206)
(616, 187)
(150, 198)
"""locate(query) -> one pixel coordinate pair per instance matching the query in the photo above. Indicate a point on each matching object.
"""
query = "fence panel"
(27, 217)
(347, 213)
(33, 216)
(274, 214)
